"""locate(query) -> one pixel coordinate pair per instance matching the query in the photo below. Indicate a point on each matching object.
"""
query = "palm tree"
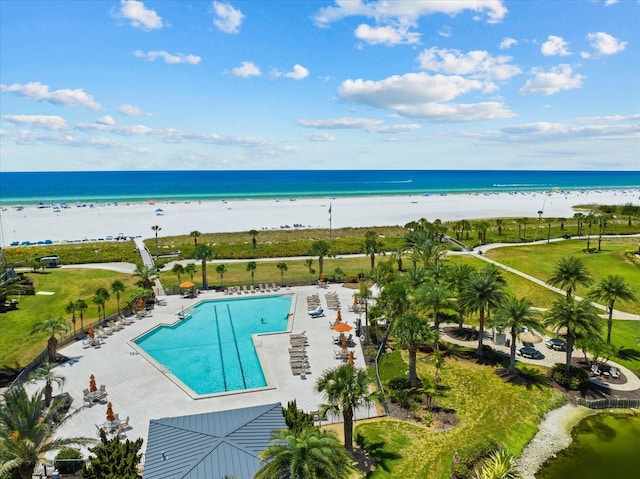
(71, 309)
(590, 219)
(195, 234)
(371, 246)
(580, 218)
(81, 306)
(53, 326)
(147, 276)
(412, 332)
(457, 277)
(320, 248)
(540, 213)
(309, 263)
(204, 253)
(117, 287)
(568, 274)
(26, 434)
(254, 241)
(482, 291)
(580, 318)
(221, 270)
(499, 224)
(515, 313)
(346, 388)
(609, 290)
(47, 373)
(307, 454)
(100, 298)
(191, 269)
(251, 267)
(178, 270)
(602, 226)
(435, 296)
(282, 266)
(155, 229)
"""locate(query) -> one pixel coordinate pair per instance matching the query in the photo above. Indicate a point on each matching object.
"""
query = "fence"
(608, 403)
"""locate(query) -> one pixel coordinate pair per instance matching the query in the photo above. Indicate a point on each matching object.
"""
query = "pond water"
(604, 446)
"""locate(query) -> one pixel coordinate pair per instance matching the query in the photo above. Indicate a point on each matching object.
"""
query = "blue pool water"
(211, 350)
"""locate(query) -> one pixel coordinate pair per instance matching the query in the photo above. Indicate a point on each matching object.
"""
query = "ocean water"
(162, 185)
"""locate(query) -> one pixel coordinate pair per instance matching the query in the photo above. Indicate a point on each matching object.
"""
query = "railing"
(608, 403)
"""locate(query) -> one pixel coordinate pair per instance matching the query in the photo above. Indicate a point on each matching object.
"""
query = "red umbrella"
(110, 416)
(92, 384)
(351, 358)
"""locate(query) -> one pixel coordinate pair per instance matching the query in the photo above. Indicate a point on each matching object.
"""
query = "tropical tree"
(48, 374)
(282, 266)
(578, 317)
(320, 248)
(609, 290)
(254, 241)
(308, 454)
(371, 246)
(100, 298)
(114, 459)
(499, 224)
(53, 326)
(251, 267)
(178, 270)
(602, 226)
(117, 288)
(221, 270)
(147, 276)
(190, 269)
(483, 290)
(71, 309)
(346, 388)
(514, 314)
(81, 306)
(535, 235)
(457, 277)
(411, 333)
(26, 432)
(195, 234)
(568, 274)
(579, 218)
(435, 297)
(204, 253)
(155, 229)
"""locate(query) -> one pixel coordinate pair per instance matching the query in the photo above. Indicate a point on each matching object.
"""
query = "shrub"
(575, 381)
(466, 459)
(65, 462)
(398, 383)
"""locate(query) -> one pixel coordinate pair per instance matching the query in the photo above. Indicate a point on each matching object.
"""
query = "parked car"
(531, 353)
(556, 344)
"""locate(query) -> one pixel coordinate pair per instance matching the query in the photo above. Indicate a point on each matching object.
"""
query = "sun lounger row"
(298, 359)
(333, 302)
(258, 288)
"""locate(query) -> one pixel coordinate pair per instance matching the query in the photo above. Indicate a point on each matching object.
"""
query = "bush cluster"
(576, 380)
(466, 459)
(68, 466)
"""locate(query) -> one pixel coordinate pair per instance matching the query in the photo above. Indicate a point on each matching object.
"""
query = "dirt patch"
(464, 334)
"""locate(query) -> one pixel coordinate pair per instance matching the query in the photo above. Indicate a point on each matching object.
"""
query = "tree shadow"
(629, 354)
(524, 376)
(376, 455)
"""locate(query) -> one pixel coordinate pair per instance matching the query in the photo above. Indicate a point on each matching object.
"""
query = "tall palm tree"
(100, 298)
(320, 248)
(435, 297)
(82, 306)
(221, 270)
(590, 219)
(514, 314)
(346, 388)
(53, 326)
(155, 229)
(282, 266)
(147, 276)
(371, 246)
(117, 288)
(251, 267)
(71, 309)
(26, 433)
(47, 373)
(191, 269)
(178, 270)
(307, 454)
(195, 234)
(254, 241)
(499, 224)
(412, 332)
(457, 277)
(482, 291)
(580, 318)
(568, 274)
(204, 253)
(603, 220)
(309, 263)
(609, 290)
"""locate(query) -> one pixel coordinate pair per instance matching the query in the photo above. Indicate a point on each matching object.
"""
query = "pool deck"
(140, 390)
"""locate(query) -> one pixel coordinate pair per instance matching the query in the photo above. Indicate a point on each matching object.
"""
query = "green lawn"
(625, 336)
(17, 345)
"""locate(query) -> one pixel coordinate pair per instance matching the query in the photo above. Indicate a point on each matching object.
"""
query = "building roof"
(211, 445)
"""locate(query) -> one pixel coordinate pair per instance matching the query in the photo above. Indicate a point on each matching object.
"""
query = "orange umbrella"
(91, 333)
(342, 327)
(351, 358)
(187, 284)
(140, 304)
(344, 342)
(355, 300)
(322, 277)
(339, 318)
(110, 416)
(92, 384)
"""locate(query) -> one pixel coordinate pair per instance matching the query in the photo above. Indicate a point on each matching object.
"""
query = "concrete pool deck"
(140, 390)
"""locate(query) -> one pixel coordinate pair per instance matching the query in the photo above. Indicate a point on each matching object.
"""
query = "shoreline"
(104, 221)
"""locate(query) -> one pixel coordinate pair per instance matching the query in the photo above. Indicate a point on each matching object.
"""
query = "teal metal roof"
(211, 445)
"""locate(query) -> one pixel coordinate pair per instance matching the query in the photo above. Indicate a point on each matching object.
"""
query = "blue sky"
(344, 84)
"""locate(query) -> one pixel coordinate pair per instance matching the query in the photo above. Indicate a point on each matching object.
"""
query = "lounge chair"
(595, 370)
(86, 343)
(615, 372)
(317, 313)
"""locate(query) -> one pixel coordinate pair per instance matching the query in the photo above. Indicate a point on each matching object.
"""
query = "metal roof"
(211, 445)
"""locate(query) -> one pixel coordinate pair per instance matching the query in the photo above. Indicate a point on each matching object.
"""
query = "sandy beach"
(103, 221)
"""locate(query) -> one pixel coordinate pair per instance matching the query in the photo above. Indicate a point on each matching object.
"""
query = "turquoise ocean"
(33, 187)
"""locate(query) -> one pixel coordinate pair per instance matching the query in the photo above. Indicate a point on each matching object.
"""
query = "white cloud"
(38, 91)
(633, 117)
(365, 124)
(246, 70)
(478, 63)
(298, 73)
(507, 43)
(321, 136)
(138, 15)
(168, 57)
(610, 2)
(606, 44)
(585, 55)
(559, 78)
(130, 110)
(106, 120)
(50, 122)
(227, 18)
(387, 35)
(545, 131)
(445, 31)
(555, 46)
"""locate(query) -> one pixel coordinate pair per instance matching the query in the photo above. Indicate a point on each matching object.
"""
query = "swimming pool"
(211, 350)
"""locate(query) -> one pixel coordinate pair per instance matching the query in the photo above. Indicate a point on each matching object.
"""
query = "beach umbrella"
(187, 284)
(344, 342)
(322, 277)
(140, 304)
(355, 300)
(351, 358)
(529, 337)
(342, 327)
(110, 416)
(92, 384)
(91, 333)
(339, 318)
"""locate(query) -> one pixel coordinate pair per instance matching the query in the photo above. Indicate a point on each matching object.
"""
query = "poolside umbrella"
(355, 300)
(351, 358)
(187, 284)
(322, 277)
(91, 333)
(341, 327)
(339, 318)
(529, 337)
(344, 342)
(140, 304)
(110, 416)
(92, 384)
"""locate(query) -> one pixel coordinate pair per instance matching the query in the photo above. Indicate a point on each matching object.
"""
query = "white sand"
(179, 217)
